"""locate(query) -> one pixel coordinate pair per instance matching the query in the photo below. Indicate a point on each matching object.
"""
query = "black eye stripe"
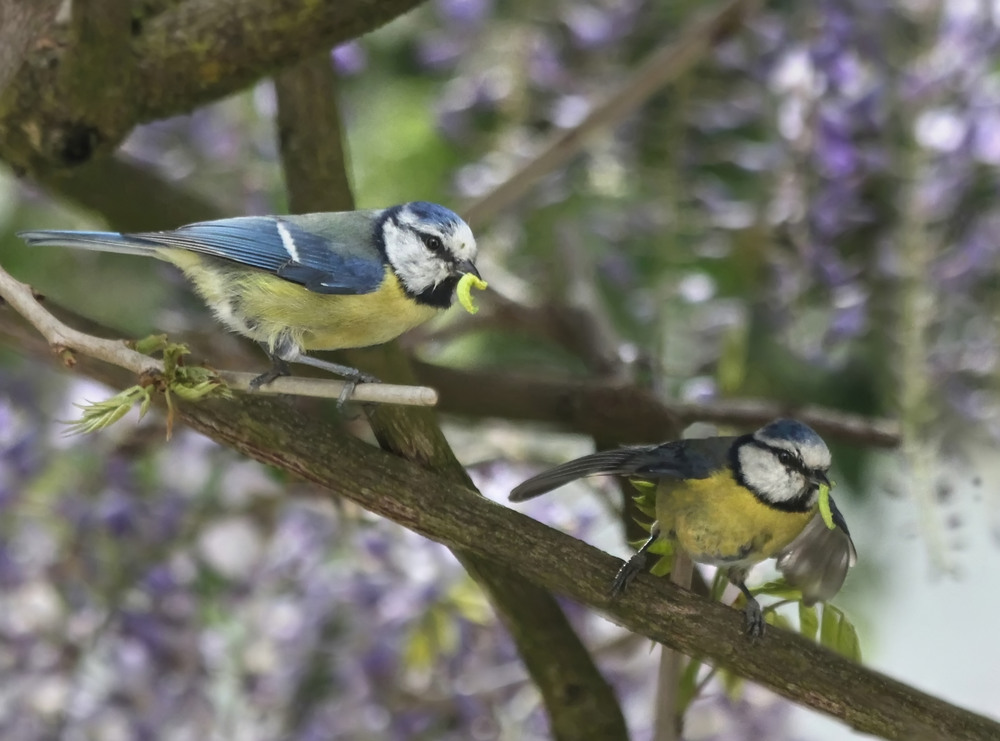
(433, 243)
(786, 458)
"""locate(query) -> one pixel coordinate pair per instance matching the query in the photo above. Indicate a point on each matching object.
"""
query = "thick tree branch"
(458, 517)
(315, 169)
(97, 74)
(580, 703)
(203, 50)
(189, 54)
(21, 24)
(451, 513)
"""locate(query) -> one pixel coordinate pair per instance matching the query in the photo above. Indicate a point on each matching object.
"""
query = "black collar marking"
(439, 296)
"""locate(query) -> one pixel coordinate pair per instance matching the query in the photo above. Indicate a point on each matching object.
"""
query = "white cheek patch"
(415, 266)
(765, 474)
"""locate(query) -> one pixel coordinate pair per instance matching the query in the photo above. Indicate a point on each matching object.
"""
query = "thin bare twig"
(854, 428)
(629, 414)
(62, 337)
(661, 67)
(375, 393)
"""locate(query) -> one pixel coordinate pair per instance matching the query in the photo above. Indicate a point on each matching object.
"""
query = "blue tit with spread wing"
(321, 281)
(732, 502)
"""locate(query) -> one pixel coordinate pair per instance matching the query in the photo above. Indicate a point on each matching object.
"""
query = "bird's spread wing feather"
(688, 459)
(816, 562)
(279, 246)
(683, 459)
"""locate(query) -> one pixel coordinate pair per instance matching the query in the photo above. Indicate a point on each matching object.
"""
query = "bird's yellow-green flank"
(717, 521)
(264, 307)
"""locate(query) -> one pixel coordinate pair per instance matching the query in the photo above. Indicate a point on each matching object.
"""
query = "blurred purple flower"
(159, 581)
(117, 512)
(836, 153)
(350, 58)
(466, 14)
(592, 27)
(150, 631)
(545, 67)
(439, 51)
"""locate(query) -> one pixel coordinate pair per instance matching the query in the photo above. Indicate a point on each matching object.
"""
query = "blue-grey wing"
(817, 561)
(681, 459)
(280, 245)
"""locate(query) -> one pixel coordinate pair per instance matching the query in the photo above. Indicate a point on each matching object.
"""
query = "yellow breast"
(262, 306)
(717, 521)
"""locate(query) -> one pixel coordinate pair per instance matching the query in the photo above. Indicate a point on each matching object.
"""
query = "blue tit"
(732, 502)
(323, 281)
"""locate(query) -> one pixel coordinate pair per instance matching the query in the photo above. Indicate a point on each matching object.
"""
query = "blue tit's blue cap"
(433, 212)
(797, 438)
(790, 429)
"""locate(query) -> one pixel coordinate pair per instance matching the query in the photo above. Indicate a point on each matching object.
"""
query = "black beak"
(467, 266)
(819, 477)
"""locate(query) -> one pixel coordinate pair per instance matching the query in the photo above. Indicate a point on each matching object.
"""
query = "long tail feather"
(609, 462)
(98, 241)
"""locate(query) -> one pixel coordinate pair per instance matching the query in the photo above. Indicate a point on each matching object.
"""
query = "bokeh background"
(810, 217)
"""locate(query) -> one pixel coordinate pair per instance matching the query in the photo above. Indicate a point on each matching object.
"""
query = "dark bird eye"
(434, 243)
(785, 457)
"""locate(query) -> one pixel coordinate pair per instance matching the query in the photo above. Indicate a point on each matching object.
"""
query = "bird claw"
(351, 384)
(626, 574)
(278, 369)
(753, 620)
(265, 378)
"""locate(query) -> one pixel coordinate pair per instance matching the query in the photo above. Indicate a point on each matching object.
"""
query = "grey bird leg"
(278, 369)
(634, 565)
(753, 618)
(353, 376)
(287, 352)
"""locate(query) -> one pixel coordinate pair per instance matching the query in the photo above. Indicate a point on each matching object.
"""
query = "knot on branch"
(73, 143)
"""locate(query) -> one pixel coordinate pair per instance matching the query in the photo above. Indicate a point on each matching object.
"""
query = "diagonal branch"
(661, 67)
(21, 24)
(189, 54)
(203, 50)
(98, 69)
(580, 703)
(153, 202)
(457, 516)
(449, 512)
